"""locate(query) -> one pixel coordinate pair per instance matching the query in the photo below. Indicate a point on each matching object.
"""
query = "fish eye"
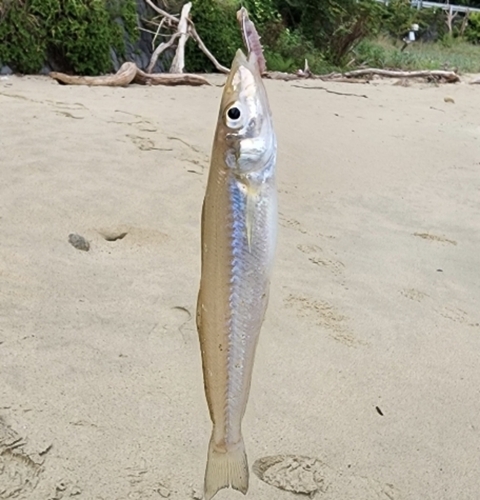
(234, 113)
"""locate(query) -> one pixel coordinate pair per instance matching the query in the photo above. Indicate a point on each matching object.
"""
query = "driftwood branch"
(448, 76)
(130, 73)
(178, 63)
(157, 32)
(300, 75)
(363, 75)
(122, 78)
(171, 79)
(161, 48)
(162, 12)
(193, 33)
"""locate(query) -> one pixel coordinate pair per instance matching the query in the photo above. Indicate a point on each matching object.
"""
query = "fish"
(238, 240)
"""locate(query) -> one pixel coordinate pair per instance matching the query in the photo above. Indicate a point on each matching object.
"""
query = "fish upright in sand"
(239, 223)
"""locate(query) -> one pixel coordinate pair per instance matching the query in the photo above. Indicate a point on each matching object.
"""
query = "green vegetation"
(472, 32)
(79, 35)
(76, 34)
(218, 27)
(336, 34)
(383, 53)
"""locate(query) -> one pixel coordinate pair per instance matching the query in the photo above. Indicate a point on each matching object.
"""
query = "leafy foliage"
(333, 26)
(399, 16)
(472, 32)
(217, 24)
(76, 35)
(23, 37)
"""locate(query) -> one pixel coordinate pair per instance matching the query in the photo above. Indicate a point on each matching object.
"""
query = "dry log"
(129, 73)
(287, 77)
(123, 77)
(178, 63)
(448, 76)
(143, 78)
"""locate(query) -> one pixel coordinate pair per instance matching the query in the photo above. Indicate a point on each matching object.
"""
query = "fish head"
(245, 122)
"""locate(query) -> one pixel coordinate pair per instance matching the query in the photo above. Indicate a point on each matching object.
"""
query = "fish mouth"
(240, 59)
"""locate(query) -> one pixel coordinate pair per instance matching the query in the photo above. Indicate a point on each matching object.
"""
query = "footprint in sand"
(414, 294)
(457, 315)
(145, 486)
(452, 313)
(324, 314)
(316, 256)
(145, 144)
(19, 472)
(292, 224)
(310, 476)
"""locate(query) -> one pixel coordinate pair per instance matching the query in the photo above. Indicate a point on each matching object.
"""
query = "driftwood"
(178, 63)
(130, 73)
(334, 77)
(123, 77)
(447, 76)
(161, 48)
(169, 79)
(191, 31)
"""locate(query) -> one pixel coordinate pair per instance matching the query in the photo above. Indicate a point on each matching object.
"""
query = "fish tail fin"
(226, 468)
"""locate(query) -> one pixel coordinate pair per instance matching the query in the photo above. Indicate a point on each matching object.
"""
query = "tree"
(334, 26)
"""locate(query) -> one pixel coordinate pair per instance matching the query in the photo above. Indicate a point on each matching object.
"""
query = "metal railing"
(435, 5)
(420, 4)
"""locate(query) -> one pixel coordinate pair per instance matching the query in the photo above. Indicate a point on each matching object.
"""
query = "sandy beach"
(368, 361)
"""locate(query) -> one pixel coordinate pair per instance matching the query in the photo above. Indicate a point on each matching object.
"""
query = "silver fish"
(239, 223)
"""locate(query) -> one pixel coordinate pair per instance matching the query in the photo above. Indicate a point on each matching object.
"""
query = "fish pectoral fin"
(226, 469)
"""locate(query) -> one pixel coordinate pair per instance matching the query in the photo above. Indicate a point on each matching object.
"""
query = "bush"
(288, 50)
(399, 16)
(23, 37)
(333, 26)
(217, 24)
(74, 35)
(472, 33)
(285, 49)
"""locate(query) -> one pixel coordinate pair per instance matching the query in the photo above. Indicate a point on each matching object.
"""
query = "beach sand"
(368, 361)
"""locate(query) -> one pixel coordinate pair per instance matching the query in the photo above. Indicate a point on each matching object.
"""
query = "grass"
(382, 53)
(449, 54)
